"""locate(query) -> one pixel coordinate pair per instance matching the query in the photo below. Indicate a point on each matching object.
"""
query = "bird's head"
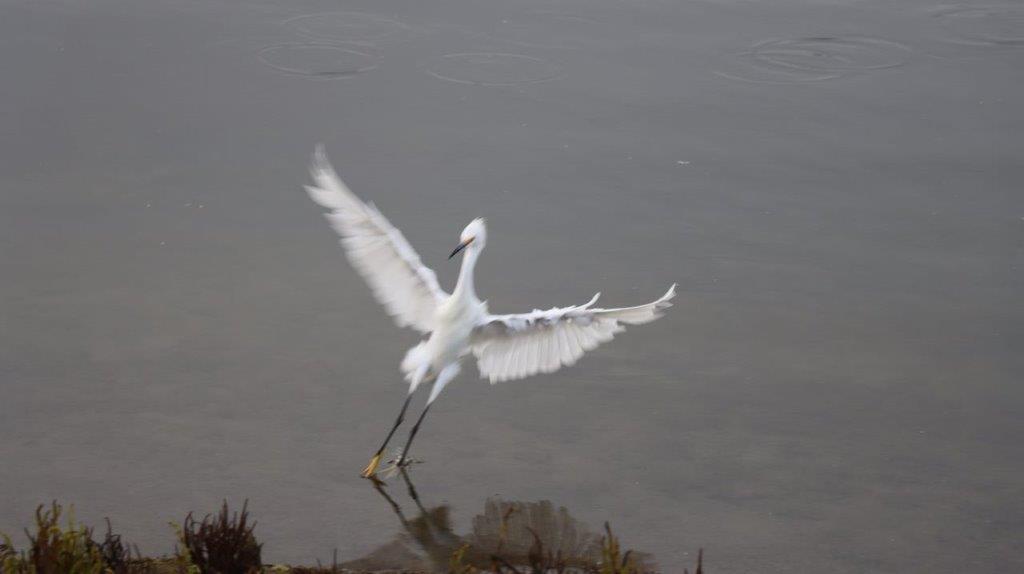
(475, 235)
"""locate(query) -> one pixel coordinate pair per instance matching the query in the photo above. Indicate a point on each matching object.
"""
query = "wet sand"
(835, 186)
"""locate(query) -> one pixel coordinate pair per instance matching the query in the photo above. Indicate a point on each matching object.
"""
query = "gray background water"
(837, 390)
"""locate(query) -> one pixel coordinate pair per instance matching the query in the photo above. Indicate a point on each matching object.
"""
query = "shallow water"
(835, 185)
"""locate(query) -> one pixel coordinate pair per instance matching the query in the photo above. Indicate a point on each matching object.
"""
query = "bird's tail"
(415, 363)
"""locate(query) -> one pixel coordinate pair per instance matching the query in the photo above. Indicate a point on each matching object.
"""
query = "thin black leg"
(398, 421)
(412, 434)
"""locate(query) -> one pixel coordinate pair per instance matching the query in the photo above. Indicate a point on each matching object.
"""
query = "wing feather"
(407, 288)
(515, 346)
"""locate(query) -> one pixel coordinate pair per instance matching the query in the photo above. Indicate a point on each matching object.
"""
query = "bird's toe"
(371, 468)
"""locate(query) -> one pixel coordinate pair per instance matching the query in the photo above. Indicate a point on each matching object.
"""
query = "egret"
(506, 347)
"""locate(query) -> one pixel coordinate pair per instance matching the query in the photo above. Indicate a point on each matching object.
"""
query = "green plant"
(117, 555)
(183, 563)
(7, 553)
(53, 550)
(612, 559)
(456, 563)
(224, 544)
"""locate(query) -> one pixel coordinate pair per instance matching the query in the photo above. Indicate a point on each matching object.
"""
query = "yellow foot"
(371, 468)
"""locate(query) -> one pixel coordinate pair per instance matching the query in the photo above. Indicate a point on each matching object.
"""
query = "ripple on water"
(549, 30)
(354, 27)
(984, 25)
(316, 60)
(492, 69)
(814, 59)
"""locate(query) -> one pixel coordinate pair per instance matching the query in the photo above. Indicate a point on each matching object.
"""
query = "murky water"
(835, 185)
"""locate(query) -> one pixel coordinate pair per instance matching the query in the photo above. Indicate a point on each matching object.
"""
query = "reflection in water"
(509, 529)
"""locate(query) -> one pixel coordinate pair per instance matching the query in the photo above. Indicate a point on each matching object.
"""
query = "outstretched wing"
(400, 281)
(511, 347)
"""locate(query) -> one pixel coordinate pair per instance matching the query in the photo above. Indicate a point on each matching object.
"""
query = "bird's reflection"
(506, 531)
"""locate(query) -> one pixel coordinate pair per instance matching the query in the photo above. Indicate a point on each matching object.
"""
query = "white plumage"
(515, 346)
(406, 287)
(506, 347)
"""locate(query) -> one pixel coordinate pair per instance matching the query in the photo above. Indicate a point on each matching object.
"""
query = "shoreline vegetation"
(507, 538)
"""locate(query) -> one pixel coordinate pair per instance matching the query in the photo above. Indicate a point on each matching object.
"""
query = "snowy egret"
(506, 347)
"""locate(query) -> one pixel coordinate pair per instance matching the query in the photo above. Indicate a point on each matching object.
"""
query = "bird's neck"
(464, 288)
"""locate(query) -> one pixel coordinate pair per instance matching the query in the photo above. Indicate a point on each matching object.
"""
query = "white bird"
(506, 347)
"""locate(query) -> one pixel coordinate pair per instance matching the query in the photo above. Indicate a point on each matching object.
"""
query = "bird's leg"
(448, 373)
(371, 468)
(412, 434)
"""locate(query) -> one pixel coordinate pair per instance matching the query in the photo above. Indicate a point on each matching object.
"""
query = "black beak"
(460, 248)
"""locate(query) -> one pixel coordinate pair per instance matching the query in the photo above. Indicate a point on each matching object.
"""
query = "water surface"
(834, 184)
